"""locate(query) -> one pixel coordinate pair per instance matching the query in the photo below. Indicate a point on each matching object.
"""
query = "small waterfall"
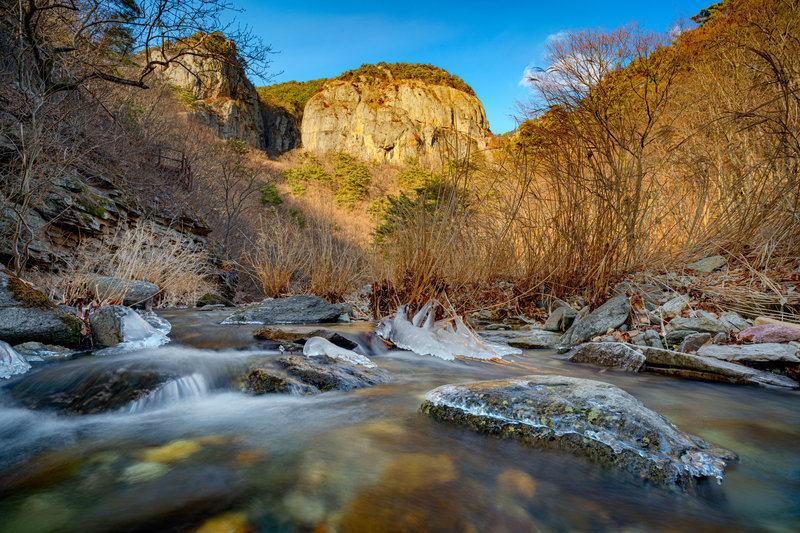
(193, 386)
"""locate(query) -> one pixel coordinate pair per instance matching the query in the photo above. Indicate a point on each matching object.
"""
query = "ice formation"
(138, 333)
(447, 338)
(11, 362)
(316, 346)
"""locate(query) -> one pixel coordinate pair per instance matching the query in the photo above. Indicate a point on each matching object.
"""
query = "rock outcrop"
(387, 119)
(219, 93)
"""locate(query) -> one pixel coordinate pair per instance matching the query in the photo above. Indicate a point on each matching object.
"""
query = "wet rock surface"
(67, 389)
(297, 309)
(611, 314)
(589, 418)
(300, 374)
(608, 354)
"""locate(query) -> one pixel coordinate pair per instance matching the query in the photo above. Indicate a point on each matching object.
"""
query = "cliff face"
(281, 129)
(393, 120)
(220, 94)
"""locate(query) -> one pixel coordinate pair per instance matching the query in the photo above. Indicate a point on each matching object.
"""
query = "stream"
(197, 452)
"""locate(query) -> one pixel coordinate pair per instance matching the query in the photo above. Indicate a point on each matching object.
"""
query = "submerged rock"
(67, 388)
(300, 374)
(609, 354)
(297, 309)
(752, 353)
(590, 418)
(610, 315)
(11, 362)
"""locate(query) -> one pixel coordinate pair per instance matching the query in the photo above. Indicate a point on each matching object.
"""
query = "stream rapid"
(196, 449)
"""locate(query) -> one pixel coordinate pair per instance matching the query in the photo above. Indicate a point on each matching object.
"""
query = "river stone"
(113, 324)
(733, 321)
(534, 339)
(610, 354)
(610, 315)
(701, 324)
(283, 336)
(752, 353)
(693, 342)
(69, 389)
(297, 309)
(673, 307)
(709, 264)
(675, 338)
(698, 367)
(589, 418)
(38, 351)
(211, 298)
(26, 314)
(11, 362)
(128, 292)
(560, 319)
(762, 320)
(769, 333)
(299, 374)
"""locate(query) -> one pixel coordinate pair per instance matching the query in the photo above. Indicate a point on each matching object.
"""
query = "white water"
(173, 391)
(447, 338)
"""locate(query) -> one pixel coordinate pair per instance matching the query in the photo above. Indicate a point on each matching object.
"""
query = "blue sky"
(487, 44)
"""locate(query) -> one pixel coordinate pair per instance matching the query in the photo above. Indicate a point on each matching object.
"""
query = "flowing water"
(196, 452)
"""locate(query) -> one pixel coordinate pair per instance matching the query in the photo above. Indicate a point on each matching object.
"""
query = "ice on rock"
(316, 346)
(11, 362)
(139, 333)
(446, 338)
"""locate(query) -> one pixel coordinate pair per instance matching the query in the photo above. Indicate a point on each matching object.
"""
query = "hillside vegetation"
(291, 95)
(408, 71)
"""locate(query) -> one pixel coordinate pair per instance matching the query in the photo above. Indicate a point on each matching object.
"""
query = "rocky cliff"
(218, 92)
(386, 118)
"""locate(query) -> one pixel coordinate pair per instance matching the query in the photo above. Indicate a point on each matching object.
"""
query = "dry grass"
(175, 265)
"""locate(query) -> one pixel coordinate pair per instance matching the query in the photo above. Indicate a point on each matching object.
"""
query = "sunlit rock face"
(223, 97)
(393, 120)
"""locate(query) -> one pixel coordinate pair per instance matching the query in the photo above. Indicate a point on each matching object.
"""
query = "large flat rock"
(589, 418)
(753, 353)
(297, 309)
(704, 368)
(524, 340)
(615, 355)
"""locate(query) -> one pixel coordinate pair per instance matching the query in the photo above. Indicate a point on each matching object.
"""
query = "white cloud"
(553, 37)
(533, 68)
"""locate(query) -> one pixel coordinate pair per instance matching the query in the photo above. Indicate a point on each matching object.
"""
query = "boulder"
(300, 374)
(769, 333)
(11, 362)
(610, 315)
(523, 339)
(711, 369)
(297, 309)
(691, 343)
(782, 354)
(704, 323)
(709, 264)
(614, 355)
(115, 324)
(211, 298)
(560, 319)
(26, 314)
(586, 417)
(128, 292)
